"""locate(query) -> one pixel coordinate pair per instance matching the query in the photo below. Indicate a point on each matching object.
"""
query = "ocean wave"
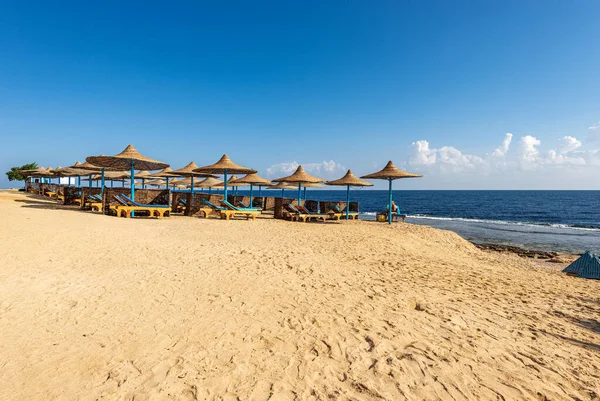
(502, 222)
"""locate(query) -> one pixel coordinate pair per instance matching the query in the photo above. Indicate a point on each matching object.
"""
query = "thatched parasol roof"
(164, 173)
(143, 174)
(225, 164)
(191, 170)
(156, 183)
(86, 166)
(299, 176)
(350, 179)
(253, 179)
(124, 160)
(209, 182)
(312, 185)
(391, 172)
(282, 185)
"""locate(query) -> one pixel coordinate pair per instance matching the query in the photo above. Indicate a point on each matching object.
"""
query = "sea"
(562, 221)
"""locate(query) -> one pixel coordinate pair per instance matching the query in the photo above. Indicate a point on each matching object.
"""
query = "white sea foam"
(502, 222)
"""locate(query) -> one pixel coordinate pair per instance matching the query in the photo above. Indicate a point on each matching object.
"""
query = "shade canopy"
(282, 185)
(143, 174)
(233, 182)
(209, 182)
(587, 266)
(350, 179)
(391, 172)
(167, 172)
(156, 183)
(33, 171)
(300, 176)
(127, 159)
(49, 172)
(253, 179)
(191, 170)
(225, 165)
(86, 166)
(312, 185)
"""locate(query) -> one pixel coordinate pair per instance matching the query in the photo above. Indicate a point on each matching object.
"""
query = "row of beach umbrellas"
(125, 164)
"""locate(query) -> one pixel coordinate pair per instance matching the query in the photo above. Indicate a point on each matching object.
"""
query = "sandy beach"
(95, 307)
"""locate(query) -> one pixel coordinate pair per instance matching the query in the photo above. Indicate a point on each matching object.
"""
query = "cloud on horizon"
(325, 169)
(522, 158)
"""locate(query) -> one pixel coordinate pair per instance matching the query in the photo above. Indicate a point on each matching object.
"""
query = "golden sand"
(97, 307)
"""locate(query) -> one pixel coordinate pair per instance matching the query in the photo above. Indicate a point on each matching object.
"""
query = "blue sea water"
(567, 221)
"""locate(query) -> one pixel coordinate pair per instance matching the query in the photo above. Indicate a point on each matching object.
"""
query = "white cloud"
(326, 169)
(503, 149)
(421, 154)
(527, 151)
(595, 126)
(568, 144)
(526, 156)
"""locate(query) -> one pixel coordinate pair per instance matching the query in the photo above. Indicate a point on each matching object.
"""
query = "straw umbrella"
(130, 159)
(390, 172)
(349, 180)
(311, 185)
(252, 179)
(143, 175)
(281, 185)
(166, 173)
(191, 171)
(34, 172)
(300, 177)
(156, 183)
(210, 183)
(225, 166)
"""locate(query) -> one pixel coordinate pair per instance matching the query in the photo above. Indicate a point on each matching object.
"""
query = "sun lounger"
(230, 210)
(295, 214)
(315, 215)
(129, 206)
(383, 216)
(210, 207)
(336, 210)
(244, 206)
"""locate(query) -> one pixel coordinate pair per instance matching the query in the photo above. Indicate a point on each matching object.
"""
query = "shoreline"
(539, 255)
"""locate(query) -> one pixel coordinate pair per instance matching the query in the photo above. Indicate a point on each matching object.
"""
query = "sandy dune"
(96, 307)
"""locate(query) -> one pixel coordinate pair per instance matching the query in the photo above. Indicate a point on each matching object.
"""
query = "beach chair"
(210, 207)
(315, 215)
(181, 205)
(383, 216)
(336, 210)
(296, 214)
(132, 206)
(230, 210)
(242, 205)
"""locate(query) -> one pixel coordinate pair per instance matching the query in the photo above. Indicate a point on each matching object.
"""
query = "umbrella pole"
(250, 194)
(143, 183)
(281, 193)
(78, 181)
(299, 193)
(102, 191)
(304, 193)
(112, 184)
(259, 189)
(209, 188)
(167, 186)
(225, 185)
(132, 185)
(347, 202)
(390, 207)
(90, 178)
(192, 188)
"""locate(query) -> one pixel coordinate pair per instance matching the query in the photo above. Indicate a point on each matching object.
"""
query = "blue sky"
(433, 85)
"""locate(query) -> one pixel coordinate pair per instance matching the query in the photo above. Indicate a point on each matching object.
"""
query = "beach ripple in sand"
(95, 307)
